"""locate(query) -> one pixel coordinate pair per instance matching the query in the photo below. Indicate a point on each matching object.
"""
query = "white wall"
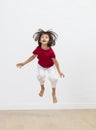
(75, 23)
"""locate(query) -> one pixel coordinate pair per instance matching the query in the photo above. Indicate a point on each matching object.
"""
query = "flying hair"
(52, 37)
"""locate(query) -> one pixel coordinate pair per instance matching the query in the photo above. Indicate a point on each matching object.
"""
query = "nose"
(44, 38)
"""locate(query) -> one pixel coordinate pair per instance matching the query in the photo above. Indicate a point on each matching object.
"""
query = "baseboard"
(56, 106)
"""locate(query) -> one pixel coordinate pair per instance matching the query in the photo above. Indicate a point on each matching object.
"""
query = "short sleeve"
(52, 53)
(36, 51)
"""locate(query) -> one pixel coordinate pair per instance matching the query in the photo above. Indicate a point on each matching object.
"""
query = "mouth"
(44, 41)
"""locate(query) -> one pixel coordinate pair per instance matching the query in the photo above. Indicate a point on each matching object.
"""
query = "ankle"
(42, 87)
(53, 94)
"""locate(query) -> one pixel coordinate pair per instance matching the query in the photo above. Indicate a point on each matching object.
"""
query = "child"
(46, 60)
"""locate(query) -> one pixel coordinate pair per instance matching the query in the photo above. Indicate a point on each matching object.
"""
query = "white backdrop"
(75, 23)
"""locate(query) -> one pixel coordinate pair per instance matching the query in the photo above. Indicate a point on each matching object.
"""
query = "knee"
(40, 76)
(53, 79)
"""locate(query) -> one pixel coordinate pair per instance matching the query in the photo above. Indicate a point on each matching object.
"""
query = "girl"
(46, 60)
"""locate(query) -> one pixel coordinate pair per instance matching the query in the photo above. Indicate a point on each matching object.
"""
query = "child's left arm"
(57, 67)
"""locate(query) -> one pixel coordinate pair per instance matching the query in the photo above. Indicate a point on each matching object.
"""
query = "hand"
(20, 65)
(61, 75)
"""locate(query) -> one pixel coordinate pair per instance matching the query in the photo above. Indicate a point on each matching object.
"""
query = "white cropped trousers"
(51, 75)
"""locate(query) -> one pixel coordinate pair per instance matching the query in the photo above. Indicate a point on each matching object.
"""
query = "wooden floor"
(48, 120)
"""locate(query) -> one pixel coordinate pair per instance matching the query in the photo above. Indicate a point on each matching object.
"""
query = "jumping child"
(46, 60)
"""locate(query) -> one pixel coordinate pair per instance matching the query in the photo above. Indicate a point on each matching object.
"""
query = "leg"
(54, 95)
(53, 80)
(41, 77)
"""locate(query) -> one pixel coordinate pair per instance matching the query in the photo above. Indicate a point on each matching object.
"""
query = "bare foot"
(54, 99)
(41, 93)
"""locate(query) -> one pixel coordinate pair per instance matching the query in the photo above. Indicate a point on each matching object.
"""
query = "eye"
(46, 37)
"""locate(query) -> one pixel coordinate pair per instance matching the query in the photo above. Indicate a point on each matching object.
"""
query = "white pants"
(51, 75)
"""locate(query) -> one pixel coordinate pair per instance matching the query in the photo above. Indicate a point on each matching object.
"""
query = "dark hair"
(52, 37)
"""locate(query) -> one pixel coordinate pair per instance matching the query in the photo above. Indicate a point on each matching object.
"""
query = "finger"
(16, 65)
(20, 66)
(62, 75)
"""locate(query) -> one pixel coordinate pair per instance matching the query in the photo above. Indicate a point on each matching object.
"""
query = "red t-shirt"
(44, 56)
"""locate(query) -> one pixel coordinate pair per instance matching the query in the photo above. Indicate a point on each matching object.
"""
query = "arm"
(26, 61)
(57, 67)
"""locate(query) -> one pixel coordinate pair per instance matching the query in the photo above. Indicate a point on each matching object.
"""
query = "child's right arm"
(27, 61)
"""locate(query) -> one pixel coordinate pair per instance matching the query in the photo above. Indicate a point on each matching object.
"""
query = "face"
(44, 39)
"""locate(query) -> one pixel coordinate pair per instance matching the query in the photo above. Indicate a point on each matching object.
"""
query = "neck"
(45, 47)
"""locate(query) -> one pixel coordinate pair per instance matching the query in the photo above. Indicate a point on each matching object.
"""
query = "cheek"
(40, 39)
(48, 40)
